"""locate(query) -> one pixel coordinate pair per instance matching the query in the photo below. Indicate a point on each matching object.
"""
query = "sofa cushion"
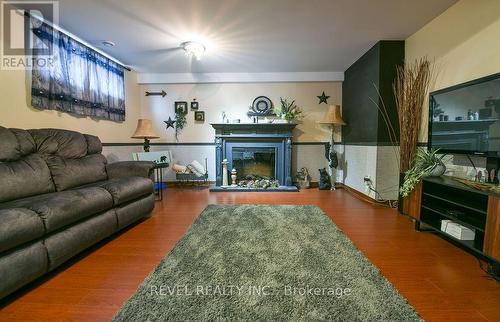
(23, 173)
(133, 211)
(65, 244)
(70, 173)
(64, 143)
(22, 266)
(73, 158)
(9, 146)
(94, 144)
(60, 209)
(126, 189)
(18, 226)
(25, 140)
(25, 177)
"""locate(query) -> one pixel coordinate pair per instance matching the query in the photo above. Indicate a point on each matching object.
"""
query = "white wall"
(360, 161)
(387, 172)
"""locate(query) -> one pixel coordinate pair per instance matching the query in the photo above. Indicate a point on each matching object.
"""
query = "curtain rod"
(74, 37)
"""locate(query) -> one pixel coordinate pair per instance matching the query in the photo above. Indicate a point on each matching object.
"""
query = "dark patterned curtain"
(79, 81)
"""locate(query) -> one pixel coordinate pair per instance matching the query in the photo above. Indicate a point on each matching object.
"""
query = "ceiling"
(244, 36)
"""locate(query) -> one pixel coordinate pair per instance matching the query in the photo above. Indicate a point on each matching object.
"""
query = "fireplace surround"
(262, 150)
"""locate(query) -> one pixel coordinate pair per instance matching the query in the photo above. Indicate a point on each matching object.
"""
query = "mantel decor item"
(261, 106)
(332, 118)
(288, 110)
(145, 131)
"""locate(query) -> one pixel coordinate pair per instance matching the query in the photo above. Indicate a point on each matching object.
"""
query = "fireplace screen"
(254, 163)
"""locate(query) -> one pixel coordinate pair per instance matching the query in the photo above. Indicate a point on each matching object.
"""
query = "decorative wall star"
(323, 98)
(169, 122)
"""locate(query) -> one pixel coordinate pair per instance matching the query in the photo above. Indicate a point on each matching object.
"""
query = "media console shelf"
(440, 198)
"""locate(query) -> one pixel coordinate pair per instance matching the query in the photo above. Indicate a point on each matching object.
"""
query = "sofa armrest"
(130, 169)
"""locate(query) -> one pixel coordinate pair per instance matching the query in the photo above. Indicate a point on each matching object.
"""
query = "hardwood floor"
(441, 281)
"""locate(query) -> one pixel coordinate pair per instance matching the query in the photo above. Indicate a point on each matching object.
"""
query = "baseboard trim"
(189, 183)
(358, 194)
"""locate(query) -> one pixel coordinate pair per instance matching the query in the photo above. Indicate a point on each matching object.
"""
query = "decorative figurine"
(233, 178)
(222, 117)
(224, 173)
(303, 178)
(325, 182)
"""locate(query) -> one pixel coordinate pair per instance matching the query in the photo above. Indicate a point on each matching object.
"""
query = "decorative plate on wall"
(261, 106)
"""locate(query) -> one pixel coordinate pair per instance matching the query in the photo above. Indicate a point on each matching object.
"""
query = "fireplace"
(256, 151)
(253, 162)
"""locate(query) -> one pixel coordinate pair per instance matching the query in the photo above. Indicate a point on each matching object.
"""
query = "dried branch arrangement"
(410, 88)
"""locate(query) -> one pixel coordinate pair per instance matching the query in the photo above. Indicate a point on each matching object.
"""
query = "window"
(80, 80)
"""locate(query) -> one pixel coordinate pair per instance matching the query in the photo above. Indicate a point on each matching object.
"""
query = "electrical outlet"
(367, 180)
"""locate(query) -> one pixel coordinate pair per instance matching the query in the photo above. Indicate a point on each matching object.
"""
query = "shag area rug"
(265, 263)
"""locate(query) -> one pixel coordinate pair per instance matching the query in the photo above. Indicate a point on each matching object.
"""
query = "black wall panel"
(375, 69)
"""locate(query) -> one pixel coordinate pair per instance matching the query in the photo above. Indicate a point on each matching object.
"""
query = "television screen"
(466, 118)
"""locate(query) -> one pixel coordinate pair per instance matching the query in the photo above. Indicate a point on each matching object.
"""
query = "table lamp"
(145, 131)
(332, 118)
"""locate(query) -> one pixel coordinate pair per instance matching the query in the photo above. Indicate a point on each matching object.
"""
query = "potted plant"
(288, 110)
(426, 164)
(180, 123)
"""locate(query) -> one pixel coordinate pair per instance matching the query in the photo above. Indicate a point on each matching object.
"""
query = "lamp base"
(146, 145)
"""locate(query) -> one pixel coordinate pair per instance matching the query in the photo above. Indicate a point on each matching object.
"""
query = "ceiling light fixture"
(193, 48)
(108, 43)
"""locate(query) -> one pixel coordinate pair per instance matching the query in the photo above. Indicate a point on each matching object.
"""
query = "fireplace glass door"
(254, 162)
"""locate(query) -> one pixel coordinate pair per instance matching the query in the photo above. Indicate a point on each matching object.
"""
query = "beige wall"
(235, 100)
(463, 41)
(16, 110)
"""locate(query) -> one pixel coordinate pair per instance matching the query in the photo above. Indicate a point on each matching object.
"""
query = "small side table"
(158, 169)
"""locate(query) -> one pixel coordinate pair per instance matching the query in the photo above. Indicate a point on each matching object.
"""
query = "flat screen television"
(465, 119)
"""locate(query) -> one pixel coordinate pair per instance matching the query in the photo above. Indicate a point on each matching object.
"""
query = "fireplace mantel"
(277, 135)
(250, 129)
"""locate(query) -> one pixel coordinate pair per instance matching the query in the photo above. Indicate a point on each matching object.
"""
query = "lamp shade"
(144, 130)
(333, 116)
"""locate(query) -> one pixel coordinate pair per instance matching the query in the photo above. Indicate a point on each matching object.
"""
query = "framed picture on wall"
(194, 105)
(181, 107)
(199, 116)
